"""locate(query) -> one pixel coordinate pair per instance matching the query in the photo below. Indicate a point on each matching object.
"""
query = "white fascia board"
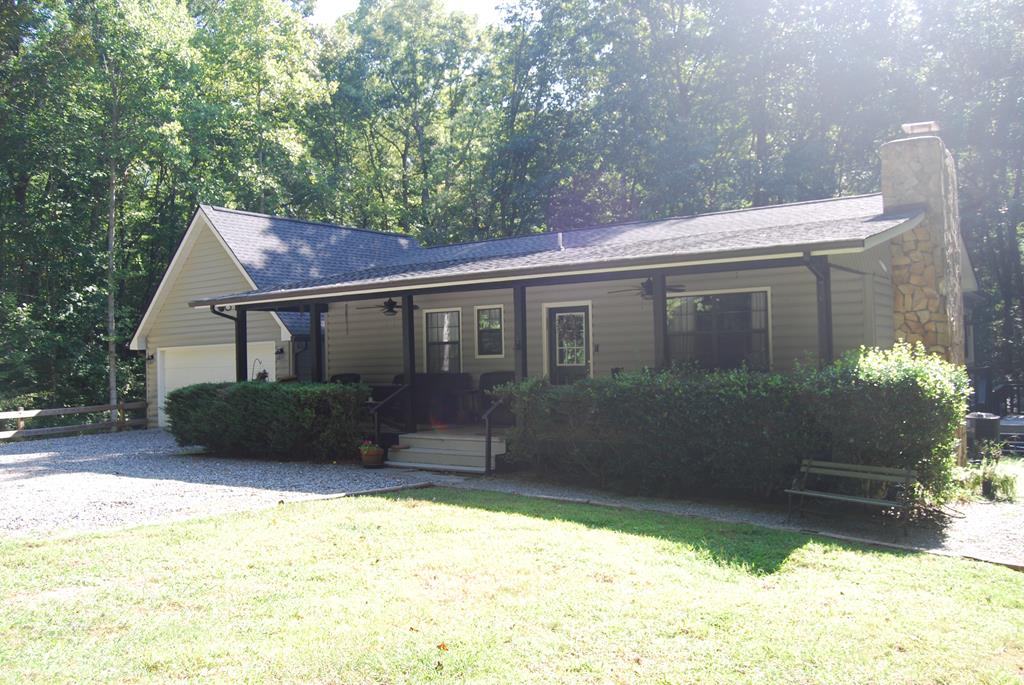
(199, 220)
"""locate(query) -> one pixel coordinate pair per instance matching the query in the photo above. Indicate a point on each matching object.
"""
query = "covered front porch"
(432, 352)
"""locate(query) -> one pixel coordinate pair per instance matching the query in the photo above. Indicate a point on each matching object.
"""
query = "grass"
(1007, 476)
(454, 586)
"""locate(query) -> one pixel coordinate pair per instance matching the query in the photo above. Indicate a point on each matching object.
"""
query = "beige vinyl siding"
(363, 341)
(622, 324)
(465, 302)
(885, 334)
(151, 390)
(206, 269)
(793, 303)
(850, 311)
(862, 303)
(366, 342)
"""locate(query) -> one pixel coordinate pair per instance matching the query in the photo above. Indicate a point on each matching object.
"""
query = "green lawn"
(454, 586)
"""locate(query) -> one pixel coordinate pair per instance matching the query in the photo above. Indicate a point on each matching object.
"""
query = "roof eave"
(524, 273)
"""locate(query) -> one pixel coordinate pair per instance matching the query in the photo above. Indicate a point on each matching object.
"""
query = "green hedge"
(690, 432)
(286, 421)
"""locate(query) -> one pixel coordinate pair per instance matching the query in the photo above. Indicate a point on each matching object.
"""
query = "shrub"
(673, 432)
(314, 422)
(688, 431)
(900, 407)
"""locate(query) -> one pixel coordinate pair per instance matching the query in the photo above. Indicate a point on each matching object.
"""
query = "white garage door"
(181, 366)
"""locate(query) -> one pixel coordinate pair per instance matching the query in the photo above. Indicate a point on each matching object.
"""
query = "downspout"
(819, 266)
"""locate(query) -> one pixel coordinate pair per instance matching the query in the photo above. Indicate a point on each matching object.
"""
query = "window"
(720, 331)
(490, 336)
(570, 339)
(444, 341)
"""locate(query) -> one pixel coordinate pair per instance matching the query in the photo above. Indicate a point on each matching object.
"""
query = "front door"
(568, 344)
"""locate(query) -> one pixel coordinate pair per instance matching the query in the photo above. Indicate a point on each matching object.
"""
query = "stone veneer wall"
(926, 261)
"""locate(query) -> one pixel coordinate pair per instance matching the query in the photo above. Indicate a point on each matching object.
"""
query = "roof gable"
(275, 250)
(271, 250)
(197, 227)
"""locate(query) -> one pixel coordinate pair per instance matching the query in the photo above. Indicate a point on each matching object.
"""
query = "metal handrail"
(375, 410)
(1008, 398)
(487, 432)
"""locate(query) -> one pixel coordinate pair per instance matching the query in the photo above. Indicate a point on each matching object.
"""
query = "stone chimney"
(918, 173)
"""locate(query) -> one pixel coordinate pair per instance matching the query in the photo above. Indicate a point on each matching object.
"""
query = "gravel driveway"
(112, 480)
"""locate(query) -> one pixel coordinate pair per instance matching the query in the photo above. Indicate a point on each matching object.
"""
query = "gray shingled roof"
(277, 250)
(799, 227)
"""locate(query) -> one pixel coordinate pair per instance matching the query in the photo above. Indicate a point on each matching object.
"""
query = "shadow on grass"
(753, 550)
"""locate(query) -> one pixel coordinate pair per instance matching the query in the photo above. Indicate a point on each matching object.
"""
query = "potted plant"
(372, 454)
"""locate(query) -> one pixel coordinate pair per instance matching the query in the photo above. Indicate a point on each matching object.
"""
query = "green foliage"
(405, 116)
(994, 477)
(899, 407)
(987, 480)
(691, 432)
(284, 421)
(681, 432)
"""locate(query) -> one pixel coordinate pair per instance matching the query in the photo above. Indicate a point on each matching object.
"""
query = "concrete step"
(445, 460)
(452, 442)
(434, 467)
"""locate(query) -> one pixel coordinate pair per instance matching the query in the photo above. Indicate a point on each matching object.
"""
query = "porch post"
(241, 346)
(409, 360)
(519, 323)
(823, 275)
(316, 344)
(660, 304)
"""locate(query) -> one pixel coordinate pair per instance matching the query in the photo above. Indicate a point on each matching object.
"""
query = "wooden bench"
(807, 484)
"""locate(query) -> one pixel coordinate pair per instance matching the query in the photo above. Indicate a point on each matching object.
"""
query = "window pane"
(570, 339)
(489, 342)
(488, 331)
(488, 318)
(443, 349)
(720, 331)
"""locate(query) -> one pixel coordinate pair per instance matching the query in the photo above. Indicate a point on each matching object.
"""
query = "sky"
(486, 10)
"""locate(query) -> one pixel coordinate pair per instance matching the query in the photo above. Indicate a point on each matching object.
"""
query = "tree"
(133, 48)
(407, 79)
(255, 76)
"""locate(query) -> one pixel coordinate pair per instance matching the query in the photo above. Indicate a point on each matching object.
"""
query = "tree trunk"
(115, 116)
(111, 284)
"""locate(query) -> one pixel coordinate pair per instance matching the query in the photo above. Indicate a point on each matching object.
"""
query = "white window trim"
(729, 291)
(476, 331)
(462, 337)
(589, 304)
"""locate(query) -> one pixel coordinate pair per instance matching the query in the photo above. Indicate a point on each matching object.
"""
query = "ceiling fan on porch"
(388, 307)
(646, 289)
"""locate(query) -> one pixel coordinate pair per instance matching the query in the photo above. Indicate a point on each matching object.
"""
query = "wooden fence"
(122, 422)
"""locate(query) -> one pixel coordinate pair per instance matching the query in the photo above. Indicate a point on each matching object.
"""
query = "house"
(767, 287)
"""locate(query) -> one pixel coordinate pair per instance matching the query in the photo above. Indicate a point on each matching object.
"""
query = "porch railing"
(488, 433)
(1008, 399)
(121, 422)
(375, 410)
